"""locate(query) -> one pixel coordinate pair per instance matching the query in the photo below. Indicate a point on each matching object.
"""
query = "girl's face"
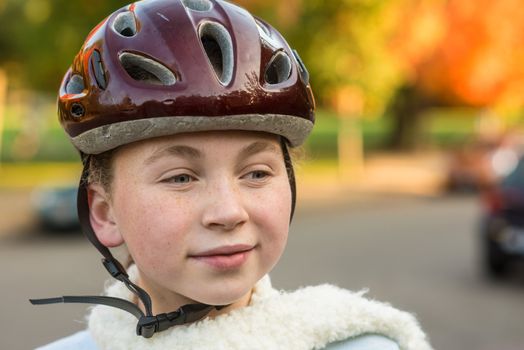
(204, 215)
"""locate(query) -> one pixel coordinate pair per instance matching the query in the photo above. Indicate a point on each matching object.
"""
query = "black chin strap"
(148, 324)
(290, 175)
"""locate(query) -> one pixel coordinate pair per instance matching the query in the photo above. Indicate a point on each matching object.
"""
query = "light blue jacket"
(83, 341)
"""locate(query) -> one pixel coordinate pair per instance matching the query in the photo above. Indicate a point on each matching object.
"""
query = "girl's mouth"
(225, 257)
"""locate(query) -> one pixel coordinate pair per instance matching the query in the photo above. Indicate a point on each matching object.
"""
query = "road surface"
(420, 254)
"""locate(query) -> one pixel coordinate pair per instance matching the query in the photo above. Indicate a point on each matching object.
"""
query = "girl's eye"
(180, 179)
(258, 175)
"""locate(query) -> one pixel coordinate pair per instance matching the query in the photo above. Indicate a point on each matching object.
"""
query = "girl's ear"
(102, 218)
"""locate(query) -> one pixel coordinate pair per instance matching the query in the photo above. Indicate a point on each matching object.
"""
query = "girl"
(183, 111)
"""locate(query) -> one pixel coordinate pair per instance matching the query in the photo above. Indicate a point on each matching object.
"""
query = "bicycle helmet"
(163, 67)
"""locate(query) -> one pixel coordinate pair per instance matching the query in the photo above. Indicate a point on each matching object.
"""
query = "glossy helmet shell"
(162, 67)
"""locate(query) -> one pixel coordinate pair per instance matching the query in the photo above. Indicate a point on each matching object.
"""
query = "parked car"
(483, 162)
(502, 229)
(55, 208)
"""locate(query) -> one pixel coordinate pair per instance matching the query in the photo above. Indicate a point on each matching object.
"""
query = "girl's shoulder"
(345, 320)
(78, 341)
(364, 342)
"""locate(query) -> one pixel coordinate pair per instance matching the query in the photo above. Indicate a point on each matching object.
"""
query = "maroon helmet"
(162, 67)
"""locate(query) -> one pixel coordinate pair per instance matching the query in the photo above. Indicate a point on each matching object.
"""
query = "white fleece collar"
(309, 318)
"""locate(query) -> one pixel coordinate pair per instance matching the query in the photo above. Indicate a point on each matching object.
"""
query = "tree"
(344, 45)
(39, 38)
(479, 58)
(460, 53)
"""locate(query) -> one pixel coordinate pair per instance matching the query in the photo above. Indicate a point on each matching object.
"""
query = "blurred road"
(417, 253)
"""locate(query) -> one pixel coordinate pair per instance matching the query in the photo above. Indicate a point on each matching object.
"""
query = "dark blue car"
(55, 208)
(503, 223)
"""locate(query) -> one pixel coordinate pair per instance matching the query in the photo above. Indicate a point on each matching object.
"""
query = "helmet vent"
(278, 69)
(75, 85)
(304, 74)
(219, 50)
(125, 24)
(197, 5)
(146, 70)
(262, 29)
(98, 68)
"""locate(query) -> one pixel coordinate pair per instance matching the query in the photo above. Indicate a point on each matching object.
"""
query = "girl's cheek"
(279, 201)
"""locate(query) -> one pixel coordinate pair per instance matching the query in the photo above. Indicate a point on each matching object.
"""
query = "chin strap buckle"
(115, 269)
(149, 325)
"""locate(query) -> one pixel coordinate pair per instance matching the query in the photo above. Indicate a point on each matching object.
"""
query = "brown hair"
(101, 169)
(101, 172)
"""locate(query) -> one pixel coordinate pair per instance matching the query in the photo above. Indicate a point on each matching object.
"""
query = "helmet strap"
(290, 174)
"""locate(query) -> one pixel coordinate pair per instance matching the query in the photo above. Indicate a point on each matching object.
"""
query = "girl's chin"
(229, 300)
(226, 292)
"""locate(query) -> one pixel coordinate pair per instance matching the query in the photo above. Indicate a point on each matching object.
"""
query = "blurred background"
(412, 184)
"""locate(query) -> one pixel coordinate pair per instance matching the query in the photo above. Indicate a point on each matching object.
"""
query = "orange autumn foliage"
(471, 53)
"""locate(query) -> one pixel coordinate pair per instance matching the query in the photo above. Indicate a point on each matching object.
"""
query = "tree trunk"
(406, 109)
(3, 94)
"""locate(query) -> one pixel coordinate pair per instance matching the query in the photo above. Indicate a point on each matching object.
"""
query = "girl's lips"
(226, 257)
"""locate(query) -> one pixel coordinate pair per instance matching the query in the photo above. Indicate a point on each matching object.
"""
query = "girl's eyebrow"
(175, 150)
(257, 147)
(192, 153)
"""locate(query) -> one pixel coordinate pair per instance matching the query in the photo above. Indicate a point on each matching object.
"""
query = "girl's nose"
(225, 209)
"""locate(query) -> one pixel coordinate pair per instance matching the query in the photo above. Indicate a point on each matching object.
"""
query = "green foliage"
(52, 146)
(449, 127)
(443, 128)
(343, 43)
(322, 144)
(39, 38)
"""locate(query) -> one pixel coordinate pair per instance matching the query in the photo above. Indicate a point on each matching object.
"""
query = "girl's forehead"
(221, 142)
